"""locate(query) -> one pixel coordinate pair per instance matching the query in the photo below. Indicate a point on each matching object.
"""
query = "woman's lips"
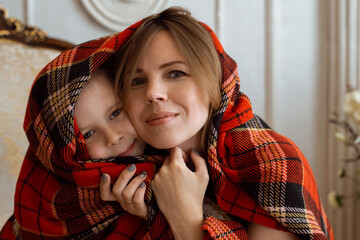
(128, 151)
(160, 118)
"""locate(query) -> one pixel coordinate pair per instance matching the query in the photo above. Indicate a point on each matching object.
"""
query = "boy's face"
(102, 121)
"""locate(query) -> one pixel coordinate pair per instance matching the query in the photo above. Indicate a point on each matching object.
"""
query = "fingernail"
(196, 152)
(142, 185)
(143, 174)
(104, 178)
(131, 168)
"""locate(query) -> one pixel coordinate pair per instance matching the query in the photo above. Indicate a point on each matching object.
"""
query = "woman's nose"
(156, 92)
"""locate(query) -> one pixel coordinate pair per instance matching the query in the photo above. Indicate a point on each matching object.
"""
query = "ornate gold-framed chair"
(24, 51)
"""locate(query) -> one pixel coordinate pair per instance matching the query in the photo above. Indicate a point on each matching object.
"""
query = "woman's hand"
(130, 195)
(180, 192)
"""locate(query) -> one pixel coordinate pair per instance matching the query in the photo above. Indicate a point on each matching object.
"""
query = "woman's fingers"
(105, 188)
(200, 165)
(179, 191)
(177, 158)
(139, 196)
(124, 179)
(178, 154)
(123, 189)
(131, 198)
(139, 208)
(129, 191)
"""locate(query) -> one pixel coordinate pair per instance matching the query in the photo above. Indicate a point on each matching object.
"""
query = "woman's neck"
(194, 143)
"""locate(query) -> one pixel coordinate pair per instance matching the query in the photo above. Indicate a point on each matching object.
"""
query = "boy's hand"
(130, 194)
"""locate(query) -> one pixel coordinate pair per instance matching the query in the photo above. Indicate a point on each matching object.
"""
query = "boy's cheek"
(95, 151)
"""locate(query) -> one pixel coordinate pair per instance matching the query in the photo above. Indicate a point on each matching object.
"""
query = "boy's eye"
(137, 81)
(176, 74)
(88, 134)
(115, 113)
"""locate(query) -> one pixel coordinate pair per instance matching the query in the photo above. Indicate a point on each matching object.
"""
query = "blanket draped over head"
(257, 175)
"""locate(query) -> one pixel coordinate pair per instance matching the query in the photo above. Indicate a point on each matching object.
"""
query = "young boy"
(108, 132)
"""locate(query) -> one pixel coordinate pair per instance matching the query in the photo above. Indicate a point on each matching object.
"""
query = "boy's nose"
(113, 137)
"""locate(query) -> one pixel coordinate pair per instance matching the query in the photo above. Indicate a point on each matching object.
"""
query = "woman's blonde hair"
(194, 42)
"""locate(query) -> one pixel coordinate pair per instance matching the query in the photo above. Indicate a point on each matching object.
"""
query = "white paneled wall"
(294, 57)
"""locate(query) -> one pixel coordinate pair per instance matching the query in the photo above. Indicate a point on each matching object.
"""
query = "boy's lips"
(128, 151)
(160, 118)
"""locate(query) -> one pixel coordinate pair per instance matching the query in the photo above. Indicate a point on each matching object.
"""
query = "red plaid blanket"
(57, 193)
(257, 174)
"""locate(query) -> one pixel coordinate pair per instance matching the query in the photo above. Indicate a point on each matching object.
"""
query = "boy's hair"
(109, 68)
(194, 42)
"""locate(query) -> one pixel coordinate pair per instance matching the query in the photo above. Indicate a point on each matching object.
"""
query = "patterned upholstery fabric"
(19, 65)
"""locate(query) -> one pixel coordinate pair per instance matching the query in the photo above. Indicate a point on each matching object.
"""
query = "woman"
(169, 76)
(57, 194)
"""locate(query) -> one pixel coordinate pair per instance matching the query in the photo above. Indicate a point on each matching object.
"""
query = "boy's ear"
(81, 148)
(79, 137)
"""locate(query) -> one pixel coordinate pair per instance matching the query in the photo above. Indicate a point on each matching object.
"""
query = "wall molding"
(106, 12)
(269, 61)
(219, 19)
(272, 57)
(29, 12)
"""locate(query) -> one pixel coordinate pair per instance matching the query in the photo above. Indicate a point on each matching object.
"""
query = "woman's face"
(164, 103)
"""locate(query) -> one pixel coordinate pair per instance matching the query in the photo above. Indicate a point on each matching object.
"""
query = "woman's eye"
(176, 74)
(137, 81)
(115, 113)
(88, 134)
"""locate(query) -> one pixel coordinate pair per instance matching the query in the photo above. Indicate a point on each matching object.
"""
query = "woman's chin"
(168, 143)
(163, 145)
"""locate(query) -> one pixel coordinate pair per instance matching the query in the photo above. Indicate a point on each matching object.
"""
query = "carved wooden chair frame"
(13, 29)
